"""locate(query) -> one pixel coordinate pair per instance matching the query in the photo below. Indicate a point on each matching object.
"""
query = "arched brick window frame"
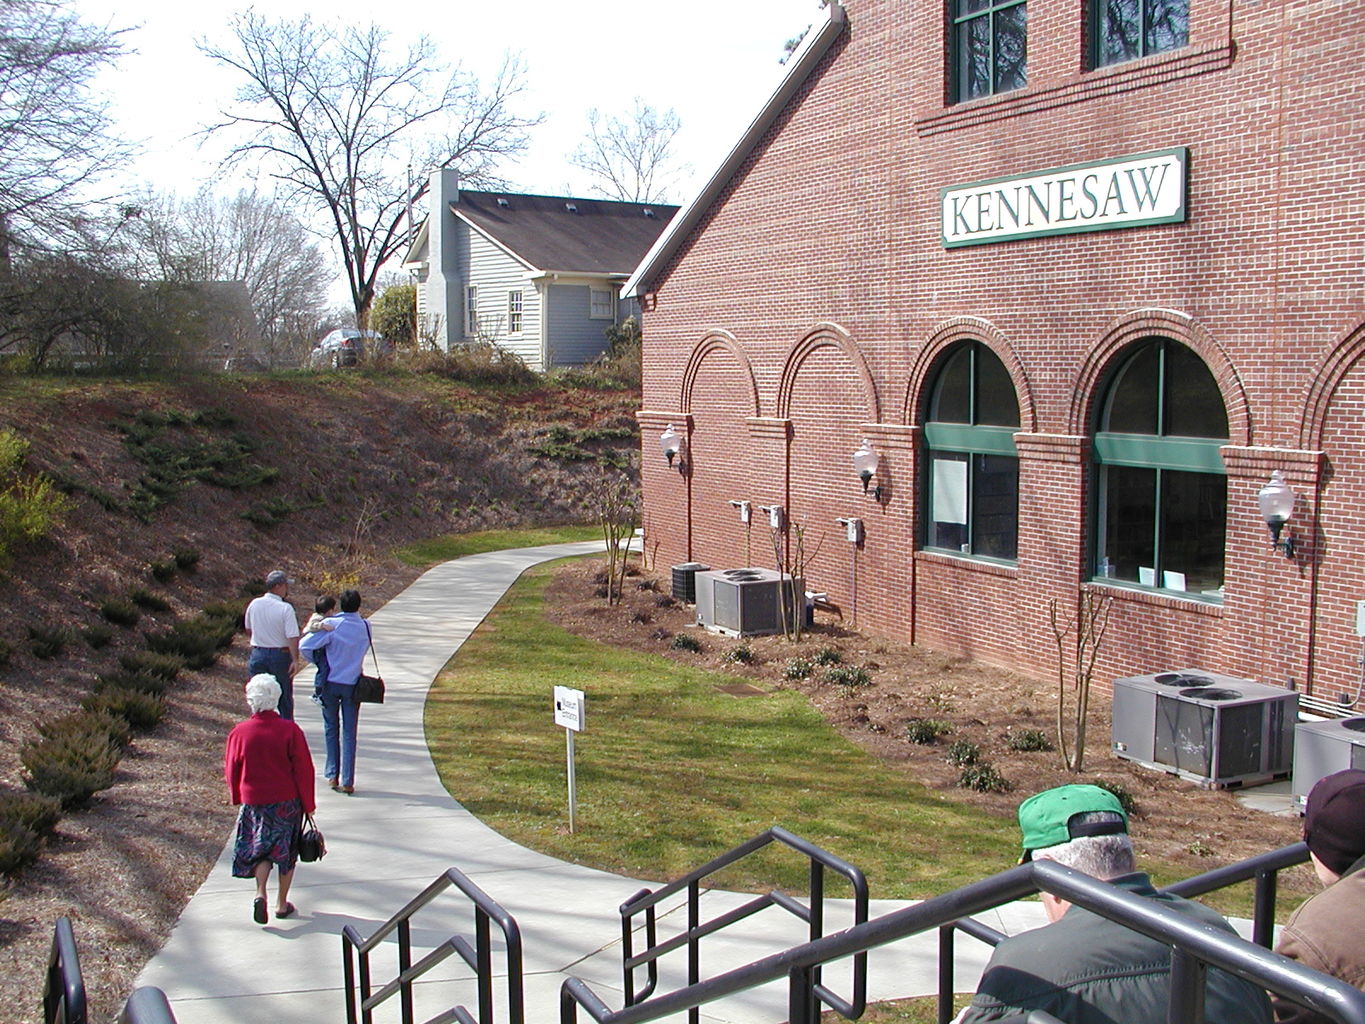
(1167, 323)
(944, 337)
(820, 336)
(713, 341)
(1327, 378)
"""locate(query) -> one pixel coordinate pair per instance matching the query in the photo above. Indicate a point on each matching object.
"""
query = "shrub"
(851, 676)
(148, 601)
(647, 584)
(797, 668)
(98, 636)
(228, 614)
(140, 681)
(963, 753)
(1029, 740)
(925, 731)
(91, 725)
(164, 666)
(195, 641)
(31, 507)
(120, 612)
(185, 558)
(140, 709)
(162, 571)
(6, 652)
(683, 642)
(72, 766)
(665, 601)
(32, 810)
(983, 777)
(741, 655)
(828, 656)
(19, 846)
(1125, 798)
(47, 641)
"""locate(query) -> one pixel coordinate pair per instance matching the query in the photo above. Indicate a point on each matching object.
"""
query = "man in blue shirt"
(347, 643)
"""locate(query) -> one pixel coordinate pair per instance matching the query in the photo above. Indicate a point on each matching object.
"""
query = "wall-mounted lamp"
(865, 465)
(745, 510)
(673, 444)
(1277, 507)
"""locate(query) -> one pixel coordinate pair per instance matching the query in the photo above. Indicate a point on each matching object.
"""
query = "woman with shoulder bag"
(346, 644)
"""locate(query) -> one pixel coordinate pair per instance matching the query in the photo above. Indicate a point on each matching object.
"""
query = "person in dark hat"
(1083, 968)
(1325, 932)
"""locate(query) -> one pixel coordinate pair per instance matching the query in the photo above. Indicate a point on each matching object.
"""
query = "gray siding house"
(539, 276)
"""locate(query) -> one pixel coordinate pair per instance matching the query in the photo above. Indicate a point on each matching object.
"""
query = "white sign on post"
(571, 708)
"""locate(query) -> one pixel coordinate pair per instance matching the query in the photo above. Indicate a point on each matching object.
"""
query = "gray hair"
(262, 693)
(1102, 857)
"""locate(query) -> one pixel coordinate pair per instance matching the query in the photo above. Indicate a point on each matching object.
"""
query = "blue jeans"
(339, 701)
(275, 662)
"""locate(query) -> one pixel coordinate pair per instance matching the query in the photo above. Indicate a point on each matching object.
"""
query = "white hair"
(1102, 857)
(262, 693)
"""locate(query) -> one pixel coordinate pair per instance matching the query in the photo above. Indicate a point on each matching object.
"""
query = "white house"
(539, 276)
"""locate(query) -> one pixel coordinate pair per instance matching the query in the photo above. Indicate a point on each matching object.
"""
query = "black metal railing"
(147, 1005)
(479, 956)
(1264, 869)
(64, 986)
(1195, 947)
(646, 901)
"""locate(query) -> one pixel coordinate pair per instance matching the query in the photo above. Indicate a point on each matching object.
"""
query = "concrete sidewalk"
(401, 831)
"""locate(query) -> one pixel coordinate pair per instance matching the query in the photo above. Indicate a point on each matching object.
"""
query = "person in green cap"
(1083, 968)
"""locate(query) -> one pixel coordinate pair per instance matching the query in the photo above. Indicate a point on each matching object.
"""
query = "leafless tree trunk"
(617, 512)
(630, 158)
(1084, 632)
(791, 566)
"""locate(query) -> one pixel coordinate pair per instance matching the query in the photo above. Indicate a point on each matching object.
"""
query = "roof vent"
(502, 201)
(571, 207)
(649, 212)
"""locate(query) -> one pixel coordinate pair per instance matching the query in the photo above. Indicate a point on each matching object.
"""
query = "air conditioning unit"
(685, 581)
(1323, 748)
(1212, 729)
(745, 602)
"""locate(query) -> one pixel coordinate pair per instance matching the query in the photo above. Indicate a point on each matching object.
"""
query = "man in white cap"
(274, 630)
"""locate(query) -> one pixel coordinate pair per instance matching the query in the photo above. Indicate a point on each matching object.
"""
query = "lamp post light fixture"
(1276, 499)
(865, 462)
(672, 444)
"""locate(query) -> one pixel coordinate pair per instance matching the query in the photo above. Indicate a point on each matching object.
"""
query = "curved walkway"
(402, 830)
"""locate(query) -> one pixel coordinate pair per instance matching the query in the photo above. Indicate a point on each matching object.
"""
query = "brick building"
(1083, 275)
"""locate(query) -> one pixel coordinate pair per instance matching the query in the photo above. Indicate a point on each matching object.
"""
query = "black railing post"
(693, 942)
(64, 989)
(366, 1014)
(483, 953)
(1187, 988)
(817, 912)
(946, 982)
(405, 962)
(348, 975)
(801, 996)
(1263, 915)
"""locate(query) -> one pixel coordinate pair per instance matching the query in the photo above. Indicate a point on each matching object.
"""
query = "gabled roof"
(587, 236)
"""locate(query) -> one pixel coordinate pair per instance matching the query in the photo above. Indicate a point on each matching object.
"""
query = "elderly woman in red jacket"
(270, 773)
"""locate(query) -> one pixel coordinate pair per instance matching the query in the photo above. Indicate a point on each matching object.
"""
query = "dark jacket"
(1325, 933)
(1086, 969)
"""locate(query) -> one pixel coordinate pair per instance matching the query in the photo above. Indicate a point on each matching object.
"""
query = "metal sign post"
(571, 708)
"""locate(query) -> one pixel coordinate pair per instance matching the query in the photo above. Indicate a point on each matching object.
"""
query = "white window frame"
(514, 312)
(471, 311)
(594, 304)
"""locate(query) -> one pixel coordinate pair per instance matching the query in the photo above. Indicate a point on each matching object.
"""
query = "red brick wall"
(833, 221)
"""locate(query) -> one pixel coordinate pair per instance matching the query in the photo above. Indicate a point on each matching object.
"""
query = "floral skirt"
(267, 832)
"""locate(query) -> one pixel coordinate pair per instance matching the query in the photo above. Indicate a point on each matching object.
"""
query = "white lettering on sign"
(1121, 193)
(570, 708)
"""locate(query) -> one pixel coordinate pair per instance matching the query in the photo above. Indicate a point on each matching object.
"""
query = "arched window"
(1161, 487)
(973, 469)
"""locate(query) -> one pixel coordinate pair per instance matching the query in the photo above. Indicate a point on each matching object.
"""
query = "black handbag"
(370, 689)
(312, 846)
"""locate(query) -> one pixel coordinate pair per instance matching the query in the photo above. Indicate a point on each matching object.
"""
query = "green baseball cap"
(1045, 818)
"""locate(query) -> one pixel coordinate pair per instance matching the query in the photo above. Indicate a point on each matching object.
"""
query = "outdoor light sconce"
(1277, 507)
(865, 465)
(672, 444)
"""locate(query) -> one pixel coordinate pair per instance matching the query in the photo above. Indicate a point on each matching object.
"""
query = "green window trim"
(1195, 455)
(963, 437)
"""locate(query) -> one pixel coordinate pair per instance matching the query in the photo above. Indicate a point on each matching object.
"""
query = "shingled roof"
(590, 236)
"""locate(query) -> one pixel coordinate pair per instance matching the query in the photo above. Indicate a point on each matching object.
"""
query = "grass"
(671, 772)
(921, 1010)
(458, 545)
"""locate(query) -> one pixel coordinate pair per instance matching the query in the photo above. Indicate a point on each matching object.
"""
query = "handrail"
(147, 1005)
(479, 956)
(64, 986)
(1196, 946)
(646, 900)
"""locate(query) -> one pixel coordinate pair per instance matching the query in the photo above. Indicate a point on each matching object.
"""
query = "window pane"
(1193, 524)
(974, 58)
(1011, 51)
(995, 506)
(948, 502)
(971, 6)
(1120, 31)
(996, 402)
(1128, 517)
(951, 401)
(1131, 406)
(1194, 405)
(1168, 25)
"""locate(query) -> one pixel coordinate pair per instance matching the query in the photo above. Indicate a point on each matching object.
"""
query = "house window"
(973, 469)
(1128, 29)
(603, 304)
(1161, 488)
(989, 51)
(471, 309)
(514, 312)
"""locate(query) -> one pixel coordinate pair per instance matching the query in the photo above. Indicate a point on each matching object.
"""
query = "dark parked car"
(346, 347)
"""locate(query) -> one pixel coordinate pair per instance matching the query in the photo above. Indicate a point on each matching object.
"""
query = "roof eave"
(817, 42)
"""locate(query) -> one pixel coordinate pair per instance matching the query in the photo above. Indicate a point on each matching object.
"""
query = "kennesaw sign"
(1119, 193)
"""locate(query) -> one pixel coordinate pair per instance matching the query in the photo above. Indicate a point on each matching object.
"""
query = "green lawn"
(458, 545)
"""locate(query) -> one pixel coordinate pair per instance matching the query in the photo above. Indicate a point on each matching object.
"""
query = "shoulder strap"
(372, 654)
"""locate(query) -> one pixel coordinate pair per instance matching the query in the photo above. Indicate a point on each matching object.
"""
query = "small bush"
(683, 642)
(1125, 798)
(983, 777)
(1029, 740)
(797, 668)
(163, 571)
(963, 753)
(92, 725)
(647, 584)
(73, 766)
(140, 681)
(148, 601)
(195, 641)
(98, 636)
(164, 666)
(185, 558)
(19, 847)
(925, 731)
(227, 614)
(6, 652)
(120, 612)
(851, 676)
(32, 810)
(828, 656)
(642, 618)
(741, 655)
(47, 642)
(140, 709)
(665, 601)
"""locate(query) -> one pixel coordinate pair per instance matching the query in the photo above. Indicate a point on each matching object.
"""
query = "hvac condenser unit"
(1213, 729)
(1323, 748)
(746, 602)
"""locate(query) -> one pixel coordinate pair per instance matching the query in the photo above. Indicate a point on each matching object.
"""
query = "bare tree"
(631, 157)
(1084, 632)
(55, 136)
(338, 120)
